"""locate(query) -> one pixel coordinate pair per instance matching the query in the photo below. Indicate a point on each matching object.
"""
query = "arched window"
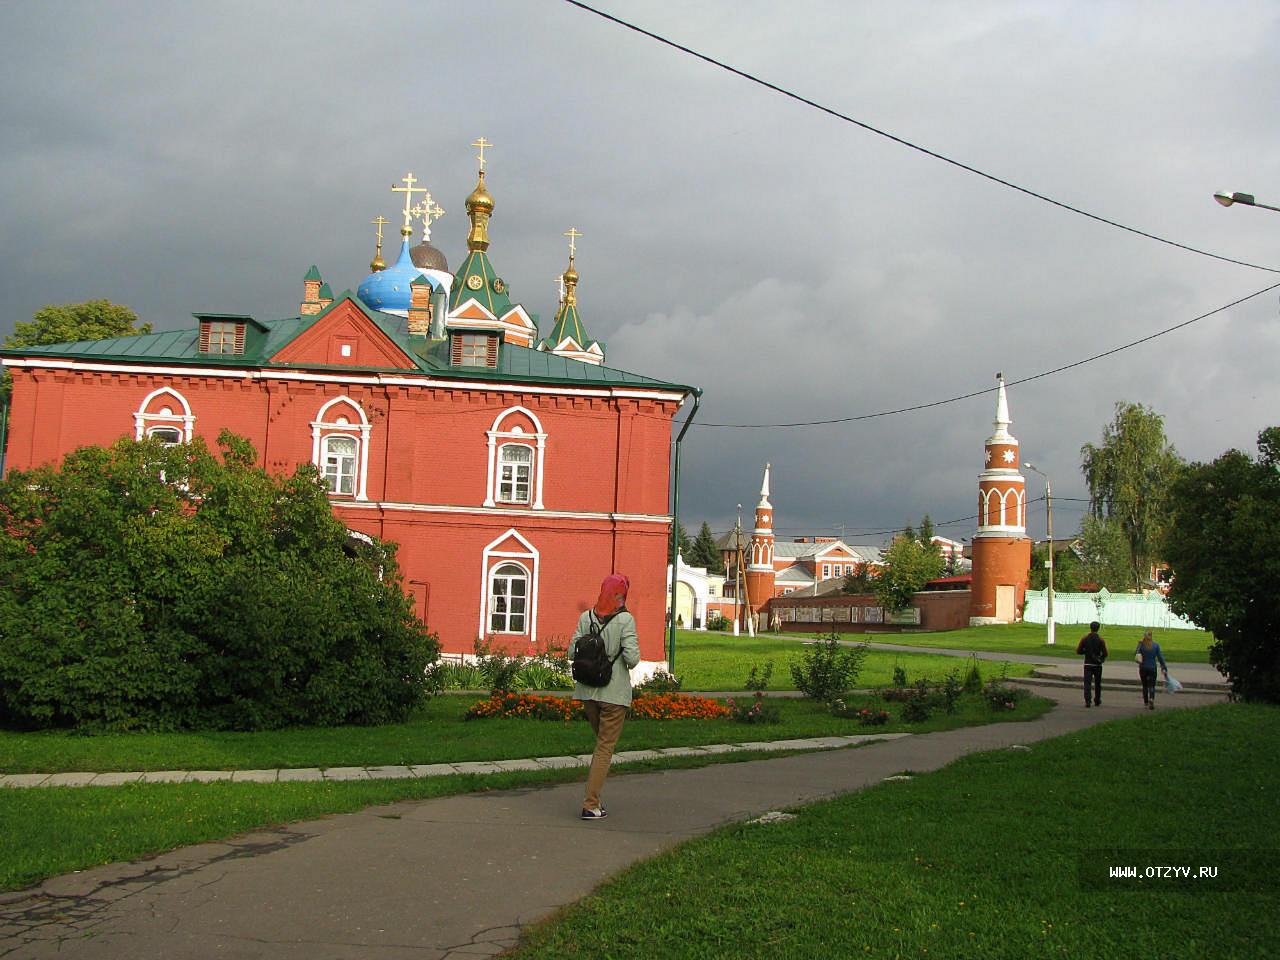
(517, 446)
(340, 447)
(508, 599)
(164, 414)
(339, 463)
(515, 470)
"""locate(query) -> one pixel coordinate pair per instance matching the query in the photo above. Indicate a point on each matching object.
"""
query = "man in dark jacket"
(1094, 649)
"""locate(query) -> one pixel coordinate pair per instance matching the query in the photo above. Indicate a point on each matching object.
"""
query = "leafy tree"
(1105, 558)
(153, 587)
(705, 553)
(1128, 476)
(686, 545)
(926, 532)
(1220, 540)
(1067, 576)
(908, 566)
(908, 532)
(859, 581)
(63, 323)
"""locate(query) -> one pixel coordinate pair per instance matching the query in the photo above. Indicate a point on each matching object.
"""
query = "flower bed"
(526, 706)
(676, 706)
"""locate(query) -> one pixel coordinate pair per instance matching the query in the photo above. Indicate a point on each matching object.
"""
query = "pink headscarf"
(613, 594)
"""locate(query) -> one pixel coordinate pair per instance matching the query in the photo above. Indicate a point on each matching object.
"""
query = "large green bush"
(153, 587)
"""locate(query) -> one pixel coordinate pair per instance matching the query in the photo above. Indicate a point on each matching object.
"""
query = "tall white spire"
(1002, 420)
(764, 488)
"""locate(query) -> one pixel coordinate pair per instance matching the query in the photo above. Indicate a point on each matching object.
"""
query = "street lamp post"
(1048, 506)
(1227, 199)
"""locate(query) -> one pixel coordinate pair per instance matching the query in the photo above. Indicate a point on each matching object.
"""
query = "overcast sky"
(179, 157)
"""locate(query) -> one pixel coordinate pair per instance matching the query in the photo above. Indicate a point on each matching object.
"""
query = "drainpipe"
(675, 532)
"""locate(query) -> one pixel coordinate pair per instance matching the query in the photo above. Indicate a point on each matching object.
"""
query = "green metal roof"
(182, 347)
(325, 292)
(312, 274)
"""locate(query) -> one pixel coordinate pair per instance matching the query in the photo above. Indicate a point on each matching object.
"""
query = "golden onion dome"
(480, 197)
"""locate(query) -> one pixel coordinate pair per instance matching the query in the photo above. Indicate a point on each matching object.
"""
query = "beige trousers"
(606, 721)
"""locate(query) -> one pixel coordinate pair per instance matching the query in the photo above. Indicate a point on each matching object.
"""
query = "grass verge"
(437, 734)
(1185, 646)
(717, 661)
(980, 859)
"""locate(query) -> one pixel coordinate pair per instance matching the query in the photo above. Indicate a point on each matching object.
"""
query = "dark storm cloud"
(181, 157)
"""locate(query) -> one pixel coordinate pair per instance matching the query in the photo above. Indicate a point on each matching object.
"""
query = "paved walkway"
(455, 877)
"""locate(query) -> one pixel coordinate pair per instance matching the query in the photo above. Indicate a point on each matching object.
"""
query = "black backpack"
(592, 666)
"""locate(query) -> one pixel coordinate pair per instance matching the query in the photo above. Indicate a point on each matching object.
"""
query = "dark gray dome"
(427, 257)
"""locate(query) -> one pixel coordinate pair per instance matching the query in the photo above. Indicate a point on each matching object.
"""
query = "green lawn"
(1187, 646)
(438, 734)
(981, 859)
(717, 661)
(45, 831)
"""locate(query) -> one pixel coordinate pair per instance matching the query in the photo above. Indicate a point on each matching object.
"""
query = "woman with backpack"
(603, 650)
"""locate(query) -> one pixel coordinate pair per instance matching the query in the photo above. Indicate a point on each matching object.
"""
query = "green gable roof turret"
(312, 274)
(325, 292)
(477, 280)
(568, 322)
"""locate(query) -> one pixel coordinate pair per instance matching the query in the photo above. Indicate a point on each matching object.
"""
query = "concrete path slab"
(457, 876)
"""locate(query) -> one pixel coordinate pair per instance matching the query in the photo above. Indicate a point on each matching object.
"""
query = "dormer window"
(476, 349)
(222, 336)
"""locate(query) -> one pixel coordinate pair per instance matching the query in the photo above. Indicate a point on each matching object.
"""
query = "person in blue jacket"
(1147, 653)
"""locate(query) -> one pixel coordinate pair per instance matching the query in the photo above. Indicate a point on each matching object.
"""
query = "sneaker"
(589, 814)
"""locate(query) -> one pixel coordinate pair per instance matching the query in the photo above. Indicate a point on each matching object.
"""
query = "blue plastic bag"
(1171, 684)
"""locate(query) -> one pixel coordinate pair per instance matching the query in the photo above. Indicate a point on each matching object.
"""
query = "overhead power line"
(830, 111)
(1011, 383)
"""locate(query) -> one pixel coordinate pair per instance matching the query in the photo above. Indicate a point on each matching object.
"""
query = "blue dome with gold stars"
(388, 290)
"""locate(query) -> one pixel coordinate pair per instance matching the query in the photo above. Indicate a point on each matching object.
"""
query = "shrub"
(950, 691)
(497, 668)
(755, 710)
(899, 676)
(973, 678)
(757, 679)
(919, 704)
(153, 587)
(718, 621)
(534, 675)
(675, 706)
(659, 682)
(826, 669)
(864, 715)
(448, 675)
(1001, 695)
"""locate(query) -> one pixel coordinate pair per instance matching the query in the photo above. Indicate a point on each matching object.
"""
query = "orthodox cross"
(408, 190)
(573, 234)
(482, 144)
(378, 263)
(428, 210)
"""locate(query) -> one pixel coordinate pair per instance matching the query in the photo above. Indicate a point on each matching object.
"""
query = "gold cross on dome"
(427, 210)
(380, 221)
(408, 190)
(482, 144)
(573, 234)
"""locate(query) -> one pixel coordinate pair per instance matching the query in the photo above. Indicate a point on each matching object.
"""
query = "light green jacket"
(619, 635)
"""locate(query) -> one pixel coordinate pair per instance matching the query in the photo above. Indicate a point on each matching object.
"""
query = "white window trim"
(320, 428)
(528, 600)
(142, 419)
(498, 436)
(492, 557)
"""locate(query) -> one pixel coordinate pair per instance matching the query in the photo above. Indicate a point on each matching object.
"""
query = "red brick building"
(513, 475)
